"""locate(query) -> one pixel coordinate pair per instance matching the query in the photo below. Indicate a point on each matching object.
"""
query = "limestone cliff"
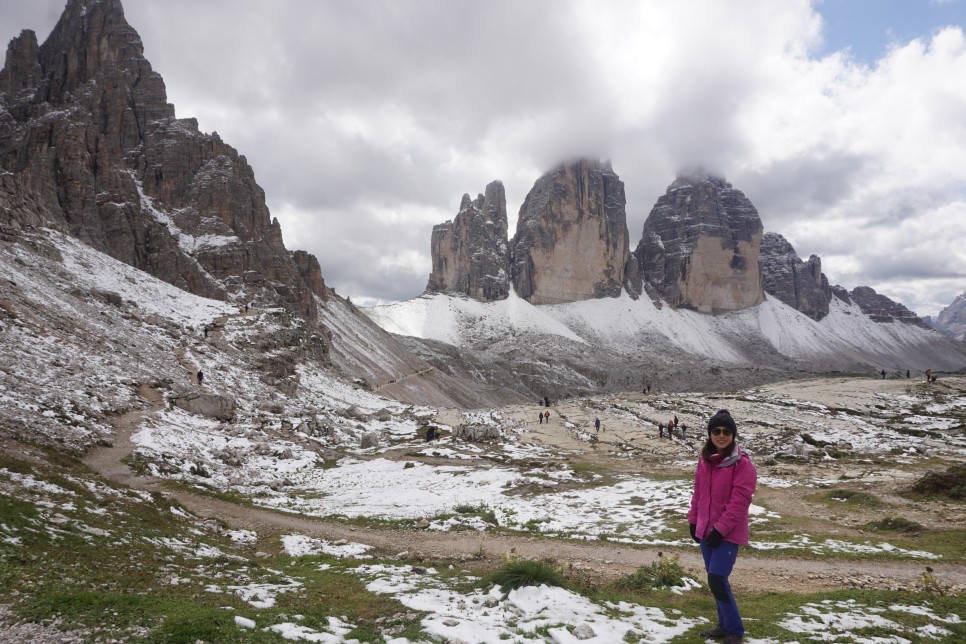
(700, 246)
(800, 285)
(90, 146)
(470, 253)
(571, 242)
(882, 309)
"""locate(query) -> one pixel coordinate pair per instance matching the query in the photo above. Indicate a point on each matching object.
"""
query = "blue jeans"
(718, 563)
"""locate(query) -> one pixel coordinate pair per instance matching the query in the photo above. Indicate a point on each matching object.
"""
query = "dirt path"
(402, 378)
(597, 559)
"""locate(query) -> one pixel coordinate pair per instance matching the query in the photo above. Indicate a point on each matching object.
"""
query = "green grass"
(950, 485)
(480, 510)
(846, 498)
(119, 585)
(663, 573)
(894, 524)
(526, 572)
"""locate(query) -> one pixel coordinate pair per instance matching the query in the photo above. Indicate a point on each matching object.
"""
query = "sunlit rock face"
(801, 285)
(90, 146)
(470, 254)
(700, 246)
(571, 242)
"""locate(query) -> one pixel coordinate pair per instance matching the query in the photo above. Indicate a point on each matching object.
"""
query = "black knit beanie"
(723, 419)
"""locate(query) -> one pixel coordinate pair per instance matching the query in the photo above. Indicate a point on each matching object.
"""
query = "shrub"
(950, 484)
(482, 510)
(894, 524)
(666, 572)
(524, 572)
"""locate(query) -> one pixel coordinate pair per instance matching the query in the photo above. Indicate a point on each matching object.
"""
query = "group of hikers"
(672, 424)
(930, 376)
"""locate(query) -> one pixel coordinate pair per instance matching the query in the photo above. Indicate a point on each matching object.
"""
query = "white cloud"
(366, 122)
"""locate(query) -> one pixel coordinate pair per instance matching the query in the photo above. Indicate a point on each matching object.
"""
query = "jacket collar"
(733, 458)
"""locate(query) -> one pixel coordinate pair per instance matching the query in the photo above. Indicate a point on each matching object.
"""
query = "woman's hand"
(693, 528)
(714, 539)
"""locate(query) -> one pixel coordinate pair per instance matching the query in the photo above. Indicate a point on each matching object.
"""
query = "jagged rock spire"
(470, 253)
(801, 285)
(93, 148)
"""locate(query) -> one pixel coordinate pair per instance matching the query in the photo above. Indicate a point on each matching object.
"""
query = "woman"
(724, 483)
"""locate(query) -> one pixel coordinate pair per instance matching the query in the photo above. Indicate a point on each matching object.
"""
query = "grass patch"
(894, 524)
(666, 572)
(852, 498)
(480, 510)
(950, 484)
(526, 572)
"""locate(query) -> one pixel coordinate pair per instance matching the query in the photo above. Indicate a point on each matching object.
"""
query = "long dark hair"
(710, 450)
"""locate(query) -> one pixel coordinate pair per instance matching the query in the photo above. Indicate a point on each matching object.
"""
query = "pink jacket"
(722, 495)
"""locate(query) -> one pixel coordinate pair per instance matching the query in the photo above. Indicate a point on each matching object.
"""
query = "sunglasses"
(718, 430)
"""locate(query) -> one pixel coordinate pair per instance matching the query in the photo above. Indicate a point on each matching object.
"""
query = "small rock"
(584, 632)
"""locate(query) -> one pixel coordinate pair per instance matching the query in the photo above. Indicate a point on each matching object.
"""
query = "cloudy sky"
(844, 121)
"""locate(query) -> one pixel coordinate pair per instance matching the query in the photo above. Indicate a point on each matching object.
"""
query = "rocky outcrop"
(571, 242)
(470, 253)
(880, 308)
(90, 146)
(205, 404)
(800, 285)
(952, 319)
(700, 246)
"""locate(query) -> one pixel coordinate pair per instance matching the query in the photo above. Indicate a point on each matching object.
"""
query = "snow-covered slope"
(82, 335)
(771, 335)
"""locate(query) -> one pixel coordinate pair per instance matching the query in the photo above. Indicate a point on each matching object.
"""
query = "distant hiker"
(928, 375)
(684, 430)
(724, 482)
(546, 416)
(883, 374)
(541, 417)
(201, 377)
(907, 373)
(675, 420)
(660, 430)
(206, 330)
(430, 433)
(597, 424)
(546, 401)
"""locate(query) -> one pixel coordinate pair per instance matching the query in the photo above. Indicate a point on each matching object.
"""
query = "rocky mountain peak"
(700, 244)
(800, 285)
(470, 253)
(952, 319)
(571, 242)
(882, 309)
(91, 147)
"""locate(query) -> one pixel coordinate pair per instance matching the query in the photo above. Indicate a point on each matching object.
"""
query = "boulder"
(204, 404)
(474, 432)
